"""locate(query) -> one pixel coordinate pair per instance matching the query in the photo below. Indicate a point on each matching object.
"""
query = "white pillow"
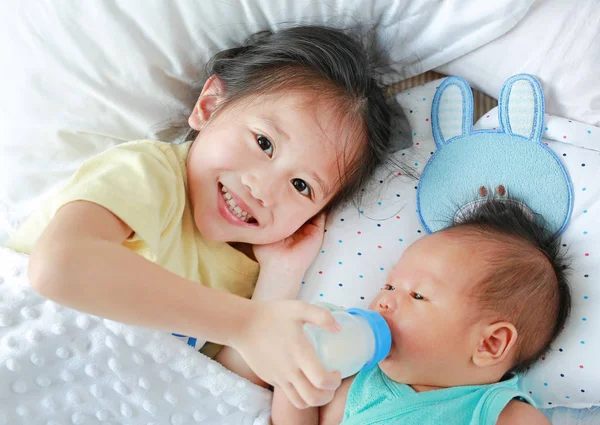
(559, 42)
(360, 248)
(79, 77)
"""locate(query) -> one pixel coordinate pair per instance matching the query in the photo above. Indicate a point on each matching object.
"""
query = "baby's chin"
(392, 368)
(397, 370)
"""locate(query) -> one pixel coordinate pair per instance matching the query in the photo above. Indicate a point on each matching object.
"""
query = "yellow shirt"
(144, 183)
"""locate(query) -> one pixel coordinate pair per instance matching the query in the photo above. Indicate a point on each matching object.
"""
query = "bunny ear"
(448, 119)
(522, 107)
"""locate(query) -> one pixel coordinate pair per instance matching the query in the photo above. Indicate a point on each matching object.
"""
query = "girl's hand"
(296, 252)
(275, 347)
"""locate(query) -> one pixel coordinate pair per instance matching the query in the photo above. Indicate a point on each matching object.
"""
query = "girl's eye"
(265, 144)
(388, 287)
(302, 187)
(417, 296)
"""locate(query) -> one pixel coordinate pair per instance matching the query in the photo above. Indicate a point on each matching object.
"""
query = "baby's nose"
(386, 304)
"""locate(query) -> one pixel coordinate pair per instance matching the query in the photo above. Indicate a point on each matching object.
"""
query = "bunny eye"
(501, 190)
(483, 191)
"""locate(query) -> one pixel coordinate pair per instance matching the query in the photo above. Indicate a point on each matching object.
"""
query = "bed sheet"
(60, 366)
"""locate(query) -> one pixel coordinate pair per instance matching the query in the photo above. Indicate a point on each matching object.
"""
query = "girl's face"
(262, 167)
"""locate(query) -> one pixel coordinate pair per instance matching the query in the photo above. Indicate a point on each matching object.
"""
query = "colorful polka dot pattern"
(368, 242)
(360, 248)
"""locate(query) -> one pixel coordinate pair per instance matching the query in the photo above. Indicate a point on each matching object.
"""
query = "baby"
(468, 308)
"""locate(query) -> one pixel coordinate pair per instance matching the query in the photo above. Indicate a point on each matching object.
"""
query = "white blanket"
(60, 366)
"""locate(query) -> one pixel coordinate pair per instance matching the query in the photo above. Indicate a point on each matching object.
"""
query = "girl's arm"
(283, 264)
(79, 261)
(272, 285)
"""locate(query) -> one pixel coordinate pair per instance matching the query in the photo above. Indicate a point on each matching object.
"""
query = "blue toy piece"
(471, 164)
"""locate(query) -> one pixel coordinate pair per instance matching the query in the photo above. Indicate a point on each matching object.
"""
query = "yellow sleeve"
(140, 182)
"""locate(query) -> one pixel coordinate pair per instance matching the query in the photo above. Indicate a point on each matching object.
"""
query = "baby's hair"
(340, 66)
(525, 283)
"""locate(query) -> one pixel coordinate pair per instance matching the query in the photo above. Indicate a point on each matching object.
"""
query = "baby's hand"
(275, 347)
(295, 253)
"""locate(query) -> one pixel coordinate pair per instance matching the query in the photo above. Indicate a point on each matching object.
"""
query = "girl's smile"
(233, 209)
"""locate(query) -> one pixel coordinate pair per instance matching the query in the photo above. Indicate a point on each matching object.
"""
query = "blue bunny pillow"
(510, 161)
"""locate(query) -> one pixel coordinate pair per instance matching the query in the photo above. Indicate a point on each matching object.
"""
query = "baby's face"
(427, 305)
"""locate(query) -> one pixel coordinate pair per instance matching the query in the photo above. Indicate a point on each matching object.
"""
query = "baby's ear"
(497, 344)
(211, 96)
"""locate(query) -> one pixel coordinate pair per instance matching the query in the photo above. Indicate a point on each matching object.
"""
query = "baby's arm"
(284, 413)
(520, 413)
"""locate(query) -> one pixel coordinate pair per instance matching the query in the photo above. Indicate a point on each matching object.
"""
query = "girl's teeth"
(233, 207)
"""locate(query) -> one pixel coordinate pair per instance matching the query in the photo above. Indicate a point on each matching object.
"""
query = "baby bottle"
(364, 341)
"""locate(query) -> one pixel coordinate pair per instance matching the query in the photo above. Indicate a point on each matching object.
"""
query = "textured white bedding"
(60, 366)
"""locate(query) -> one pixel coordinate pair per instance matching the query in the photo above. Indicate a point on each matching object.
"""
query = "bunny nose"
(500, 190)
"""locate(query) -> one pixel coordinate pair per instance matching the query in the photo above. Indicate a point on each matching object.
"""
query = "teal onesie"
(374, 398)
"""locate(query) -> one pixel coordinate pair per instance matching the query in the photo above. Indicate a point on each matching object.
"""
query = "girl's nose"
(260, 188)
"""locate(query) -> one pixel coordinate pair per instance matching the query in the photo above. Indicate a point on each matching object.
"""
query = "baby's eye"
(265, 144)
(388, 287)
(302, 187)
(417, 296)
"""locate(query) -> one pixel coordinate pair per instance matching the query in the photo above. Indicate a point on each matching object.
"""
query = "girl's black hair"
(338, 65)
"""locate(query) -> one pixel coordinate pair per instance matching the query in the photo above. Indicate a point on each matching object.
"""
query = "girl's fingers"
(314, 372)
(309, 362)
(319, 316)
(293, 396)
(308, 393)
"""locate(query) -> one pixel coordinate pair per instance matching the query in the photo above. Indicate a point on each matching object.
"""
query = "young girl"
(288, 125)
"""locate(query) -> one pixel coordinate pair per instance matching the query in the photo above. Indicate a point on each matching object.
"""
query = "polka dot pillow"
(361, 246)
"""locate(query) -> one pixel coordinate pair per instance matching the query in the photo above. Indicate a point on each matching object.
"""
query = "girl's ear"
(211, 96)
(497, 344)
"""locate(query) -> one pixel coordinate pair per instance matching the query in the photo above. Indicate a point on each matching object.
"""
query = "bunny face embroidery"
(510, 163)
